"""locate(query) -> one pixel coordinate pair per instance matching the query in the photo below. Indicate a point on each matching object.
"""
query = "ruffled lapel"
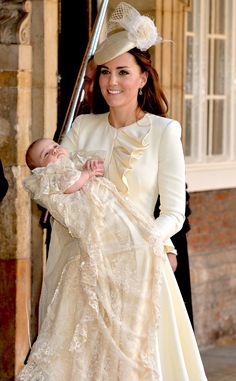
(129, 145)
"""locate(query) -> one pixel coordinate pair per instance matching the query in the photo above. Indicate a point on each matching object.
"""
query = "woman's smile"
(114, 92)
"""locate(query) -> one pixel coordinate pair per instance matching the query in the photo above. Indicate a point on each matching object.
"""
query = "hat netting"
(141, 29)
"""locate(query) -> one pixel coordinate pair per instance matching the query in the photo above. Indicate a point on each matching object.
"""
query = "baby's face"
(47, 151)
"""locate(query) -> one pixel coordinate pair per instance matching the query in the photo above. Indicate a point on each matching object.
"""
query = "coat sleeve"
(171, 182)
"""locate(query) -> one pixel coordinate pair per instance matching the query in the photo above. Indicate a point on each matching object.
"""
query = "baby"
(43, 152)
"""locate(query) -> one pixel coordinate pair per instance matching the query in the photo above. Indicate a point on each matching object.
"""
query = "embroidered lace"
(101, 324)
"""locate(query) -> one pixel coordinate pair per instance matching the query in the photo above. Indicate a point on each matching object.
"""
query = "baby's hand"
(95, 167)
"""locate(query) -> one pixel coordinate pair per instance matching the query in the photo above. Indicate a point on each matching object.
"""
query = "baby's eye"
(46, 154)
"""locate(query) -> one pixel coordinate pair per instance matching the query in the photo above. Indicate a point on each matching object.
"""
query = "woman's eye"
(123, 72)
(104, 71)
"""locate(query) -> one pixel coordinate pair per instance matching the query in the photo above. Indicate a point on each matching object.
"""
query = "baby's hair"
(28, 158)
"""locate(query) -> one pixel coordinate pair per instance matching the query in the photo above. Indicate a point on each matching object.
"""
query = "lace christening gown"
(102, 321)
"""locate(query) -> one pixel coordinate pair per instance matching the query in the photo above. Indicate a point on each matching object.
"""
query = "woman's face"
(120, 80)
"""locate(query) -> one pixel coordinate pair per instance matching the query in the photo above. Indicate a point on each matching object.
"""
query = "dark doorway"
(76, 20)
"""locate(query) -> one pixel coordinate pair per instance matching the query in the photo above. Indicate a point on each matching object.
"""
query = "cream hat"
(115, 45)
(126, 30)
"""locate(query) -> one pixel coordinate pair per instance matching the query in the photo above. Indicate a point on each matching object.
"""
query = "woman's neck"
(118, 118)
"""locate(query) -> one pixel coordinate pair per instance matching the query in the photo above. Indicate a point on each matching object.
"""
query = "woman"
(149, 337)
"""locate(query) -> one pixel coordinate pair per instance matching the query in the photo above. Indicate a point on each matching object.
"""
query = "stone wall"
(212, 251)
(15, 121)
(28, 109)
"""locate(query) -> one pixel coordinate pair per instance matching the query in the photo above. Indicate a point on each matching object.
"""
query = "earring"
(140, 91)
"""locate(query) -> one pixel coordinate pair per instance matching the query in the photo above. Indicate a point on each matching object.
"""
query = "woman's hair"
(152, 100)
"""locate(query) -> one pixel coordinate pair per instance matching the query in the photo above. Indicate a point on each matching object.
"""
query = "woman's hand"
(173, 261)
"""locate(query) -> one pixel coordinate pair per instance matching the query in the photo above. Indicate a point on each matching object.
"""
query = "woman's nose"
(113, 79)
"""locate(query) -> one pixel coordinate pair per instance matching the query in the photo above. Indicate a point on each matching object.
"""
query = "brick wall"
(212, 254)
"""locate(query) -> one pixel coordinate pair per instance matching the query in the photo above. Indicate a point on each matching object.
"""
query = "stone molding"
(15, 22)
(187, 4)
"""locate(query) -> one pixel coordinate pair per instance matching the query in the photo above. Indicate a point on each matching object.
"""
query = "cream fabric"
(108, 293)
(142, 160)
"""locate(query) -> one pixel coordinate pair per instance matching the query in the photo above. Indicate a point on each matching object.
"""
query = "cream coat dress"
(148, 336)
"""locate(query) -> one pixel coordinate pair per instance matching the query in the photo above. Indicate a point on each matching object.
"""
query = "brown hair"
(152, 100)
(28, 158)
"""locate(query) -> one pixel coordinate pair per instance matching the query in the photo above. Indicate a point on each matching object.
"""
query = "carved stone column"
(28, 110)
(15, 209)
(15, 21)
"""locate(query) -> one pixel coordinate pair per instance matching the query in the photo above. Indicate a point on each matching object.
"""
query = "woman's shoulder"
(90, 119)
(162, 124)
(84, 126)
(164, 121)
